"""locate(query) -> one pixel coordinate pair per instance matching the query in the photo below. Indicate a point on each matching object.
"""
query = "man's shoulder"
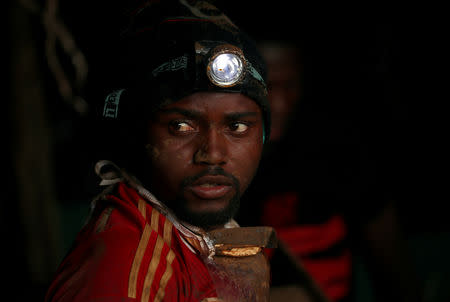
(124, 214)
(127, 242)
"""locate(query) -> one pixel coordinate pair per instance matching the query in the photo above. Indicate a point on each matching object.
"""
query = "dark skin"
(284, 81)
(204, 151)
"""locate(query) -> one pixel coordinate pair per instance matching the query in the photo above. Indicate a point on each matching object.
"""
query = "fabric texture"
(129, 251)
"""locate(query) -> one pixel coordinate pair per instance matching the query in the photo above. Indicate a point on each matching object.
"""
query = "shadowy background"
(374, 68)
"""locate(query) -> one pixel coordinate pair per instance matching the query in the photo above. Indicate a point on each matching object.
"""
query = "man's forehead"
(192, 113)
(212, 102)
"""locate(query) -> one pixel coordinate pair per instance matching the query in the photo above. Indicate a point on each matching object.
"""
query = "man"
(334, 216)
(188, 120)
(285, 81)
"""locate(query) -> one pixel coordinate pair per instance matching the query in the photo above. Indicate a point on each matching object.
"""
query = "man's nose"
(212, 148)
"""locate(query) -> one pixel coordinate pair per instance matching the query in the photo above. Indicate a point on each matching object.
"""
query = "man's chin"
(208, 220)
(199, 206)
(209, 215)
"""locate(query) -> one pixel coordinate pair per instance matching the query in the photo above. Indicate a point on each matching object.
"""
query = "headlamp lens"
(226, 69)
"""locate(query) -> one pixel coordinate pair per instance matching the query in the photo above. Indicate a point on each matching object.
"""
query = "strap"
(109, 176)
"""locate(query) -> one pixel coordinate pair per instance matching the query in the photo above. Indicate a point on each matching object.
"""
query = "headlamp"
(226, 66)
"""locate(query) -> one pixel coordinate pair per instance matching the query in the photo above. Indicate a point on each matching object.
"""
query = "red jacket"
(128, 251)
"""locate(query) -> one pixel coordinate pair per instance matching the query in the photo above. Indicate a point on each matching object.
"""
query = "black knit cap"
(164, 54)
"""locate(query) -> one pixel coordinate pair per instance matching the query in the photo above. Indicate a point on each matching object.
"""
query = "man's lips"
(211, 186)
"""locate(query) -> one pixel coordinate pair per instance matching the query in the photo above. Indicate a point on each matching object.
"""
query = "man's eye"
(181, 126)
(238, 127)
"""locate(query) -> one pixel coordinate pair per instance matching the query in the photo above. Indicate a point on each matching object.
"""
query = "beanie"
(171, 49)
(168, 50)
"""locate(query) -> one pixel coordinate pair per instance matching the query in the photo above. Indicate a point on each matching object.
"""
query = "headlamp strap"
(111, 107)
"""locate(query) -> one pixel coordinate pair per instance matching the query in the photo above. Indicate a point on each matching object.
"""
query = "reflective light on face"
(226, 69)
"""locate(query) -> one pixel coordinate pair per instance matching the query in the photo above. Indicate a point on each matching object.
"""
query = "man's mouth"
(211, 187)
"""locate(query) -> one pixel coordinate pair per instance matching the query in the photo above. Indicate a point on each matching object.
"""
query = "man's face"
(204, 150)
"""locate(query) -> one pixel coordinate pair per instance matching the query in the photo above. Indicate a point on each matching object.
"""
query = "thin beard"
(207, 219)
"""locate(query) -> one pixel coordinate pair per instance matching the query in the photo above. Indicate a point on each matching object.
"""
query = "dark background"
(377, 69)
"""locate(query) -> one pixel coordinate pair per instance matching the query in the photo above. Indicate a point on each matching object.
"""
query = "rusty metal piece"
(239, 269)
(261, 236)
(289, 293)
(233, 251)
